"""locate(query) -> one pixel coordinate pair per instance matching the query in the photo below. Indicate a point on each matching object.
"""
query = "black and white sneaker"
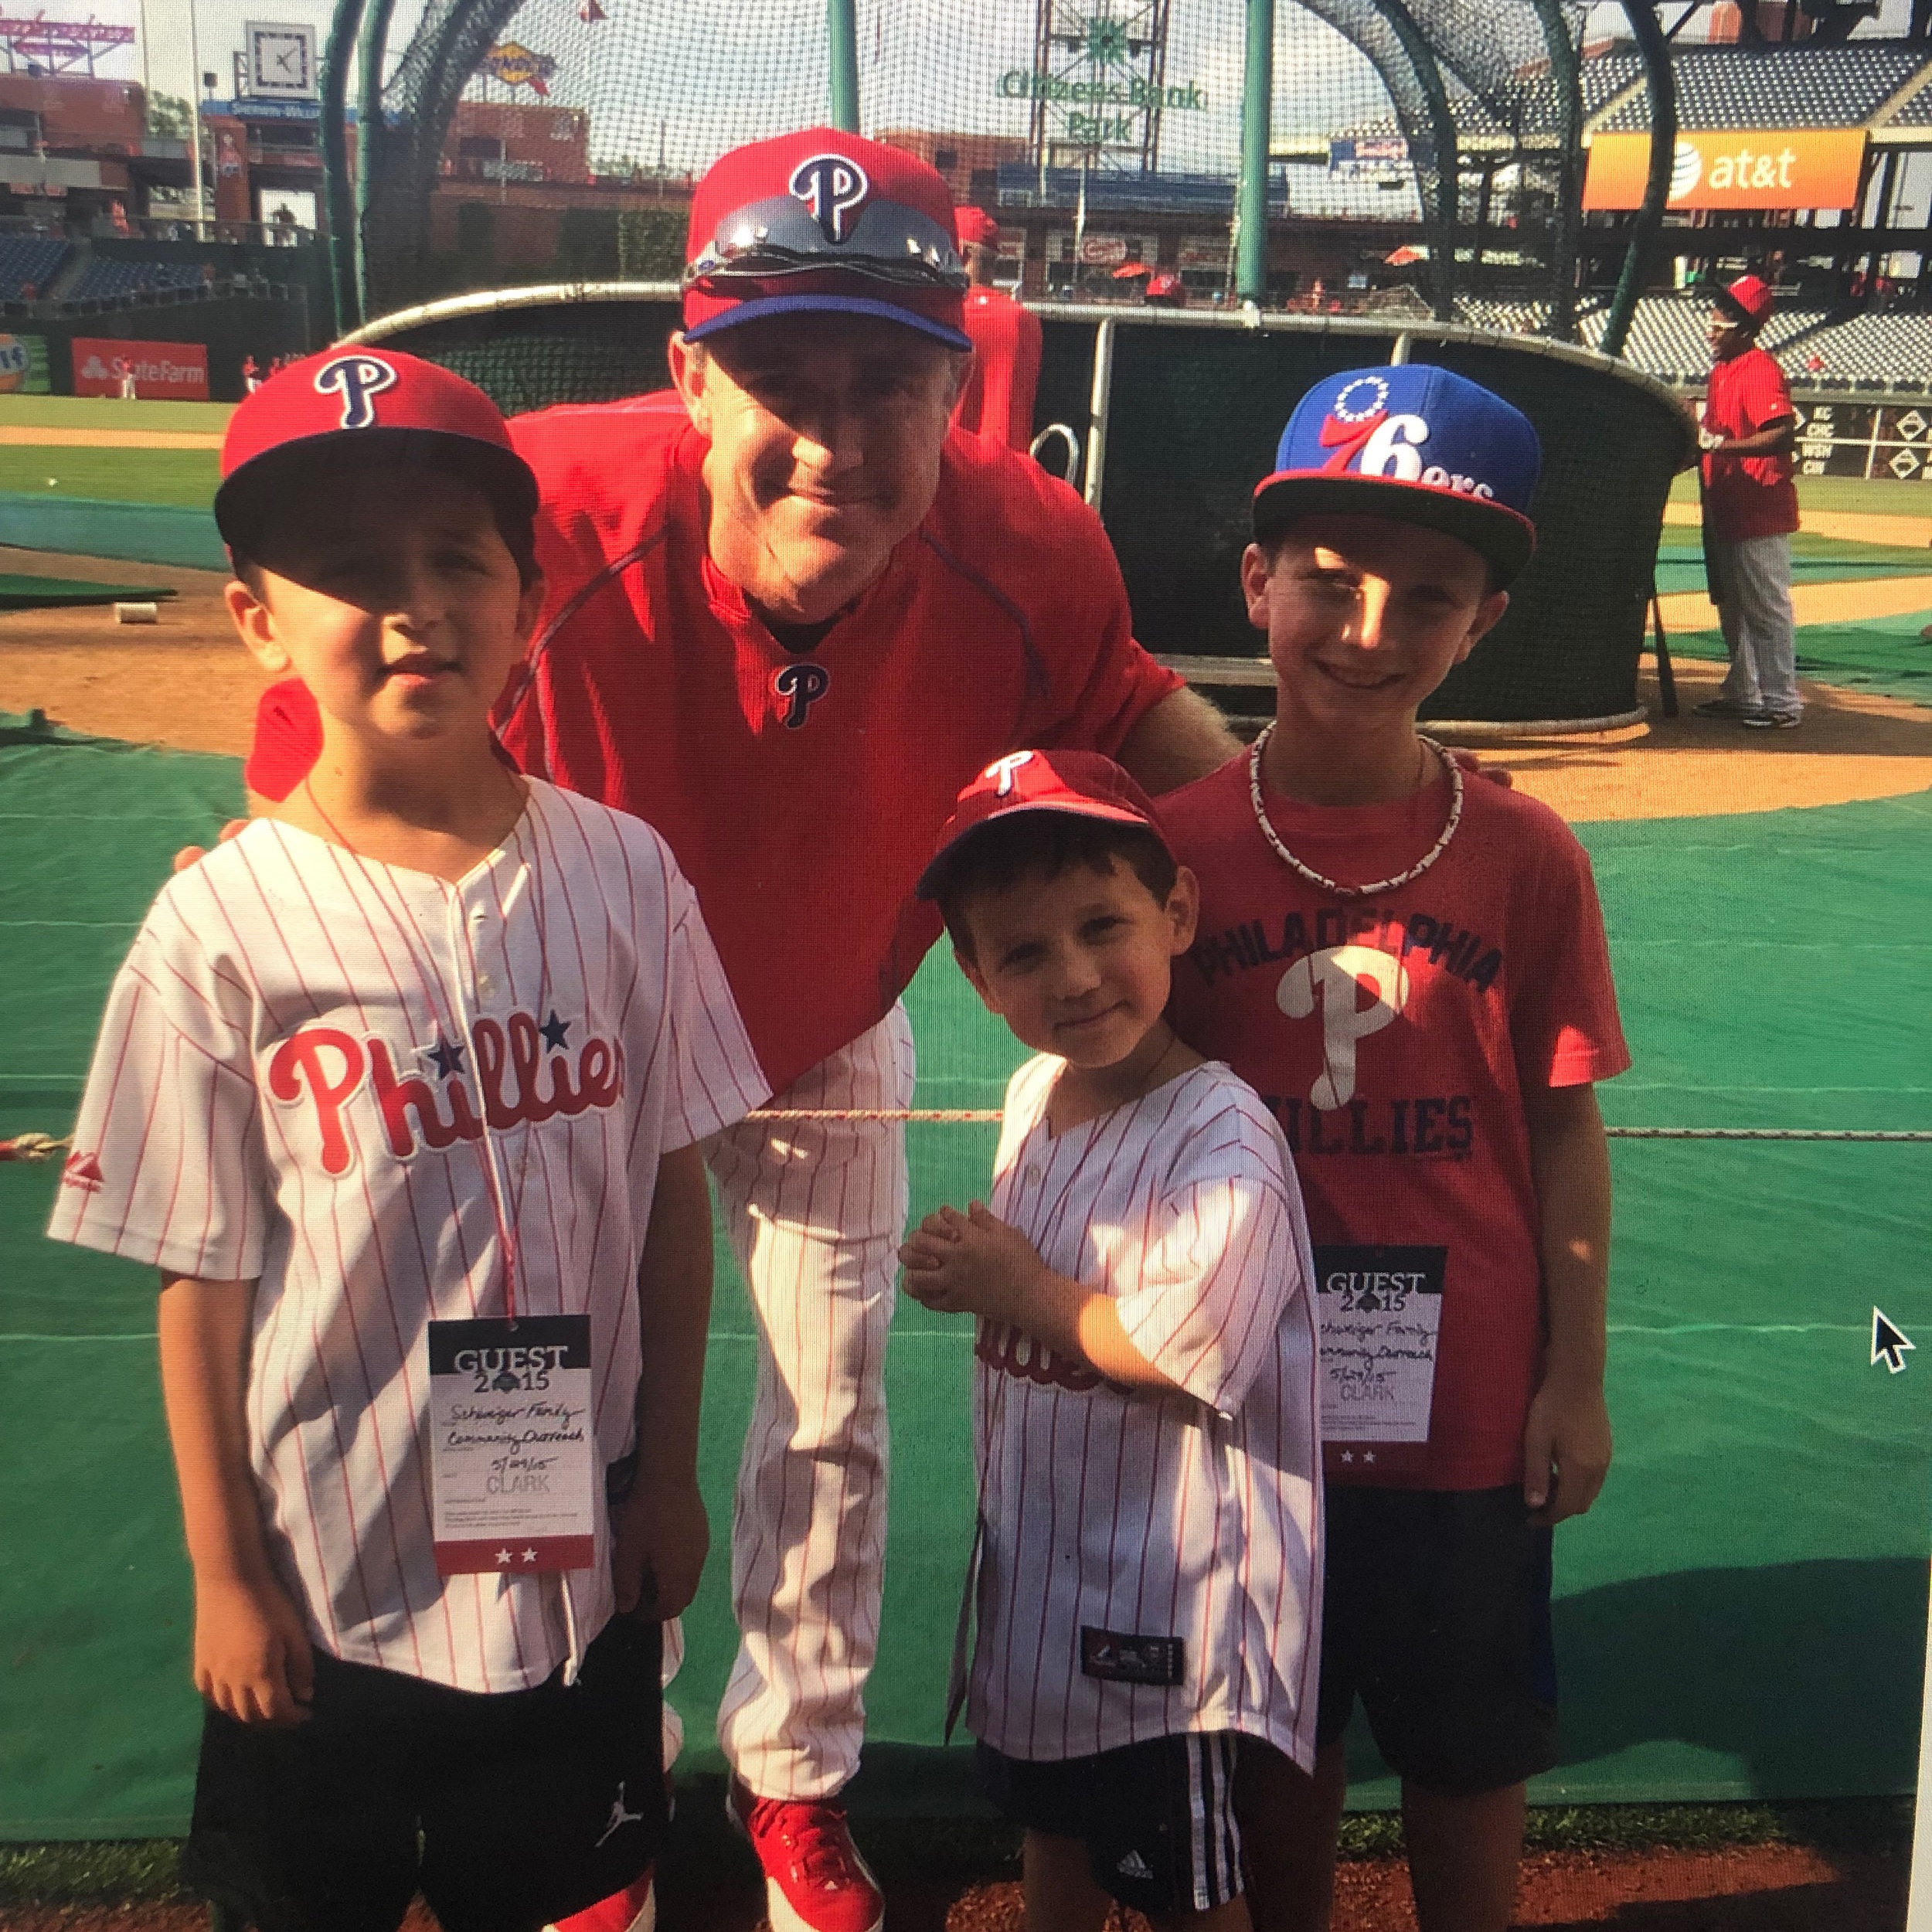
(1773, 721)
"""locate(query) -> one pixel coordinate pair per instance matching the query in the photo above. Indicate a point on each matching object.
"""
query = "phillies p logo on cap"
(1416, 443)
(832, 186)
(384, 404)
(358, 379)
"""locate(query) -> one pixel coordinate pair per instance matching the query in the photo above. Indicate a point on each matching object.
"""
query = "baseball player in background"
(998, 398)
(1750, 509)
(786, 625)
(1146, 1582)
(401, 1090)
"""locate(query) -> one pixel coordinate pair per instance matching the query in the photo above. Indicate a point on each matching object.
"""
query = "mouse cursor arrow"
(1888, 1344)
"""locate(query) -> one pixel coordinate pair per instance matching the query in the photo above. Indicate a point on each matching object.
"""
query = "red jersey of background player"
(799, 791)
(1393, 1040)
(997, 400)
(1748, 496)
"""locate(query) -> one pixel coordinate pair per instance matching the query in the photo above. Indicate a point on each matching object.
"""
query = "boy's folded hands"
(973, 1263)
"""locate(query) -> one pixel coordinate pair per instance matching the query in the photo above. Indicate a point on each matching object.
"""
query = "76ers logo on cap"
(358, 379)
(834, 187)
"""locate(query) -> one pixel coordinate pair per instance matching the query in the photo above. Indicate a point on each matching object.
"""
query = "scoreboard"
(1890, 441)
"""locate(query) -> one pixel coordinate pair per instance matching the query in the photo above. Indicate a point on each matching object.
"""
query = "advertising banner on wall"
(1882, 440)
(173, 371)
(23, 365)
(1808, 167)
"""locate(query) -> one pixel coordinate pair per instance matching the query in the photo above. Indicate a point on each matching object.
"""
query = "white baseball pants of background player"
(1755, 611)
(816, 1210)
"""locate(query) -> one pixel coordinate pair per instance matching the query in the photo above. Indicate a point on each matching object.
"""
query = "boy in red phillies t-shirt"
(1412, 971)
(1750, 509)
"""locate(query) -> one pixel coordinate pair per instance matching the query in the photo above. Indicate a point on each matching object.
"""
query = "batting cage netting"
(1441, 111)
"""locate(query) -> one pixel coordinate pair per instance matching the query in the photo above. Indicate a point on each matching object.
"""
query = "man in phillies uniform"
(1750, 509)
(997, 400)
(787, 627)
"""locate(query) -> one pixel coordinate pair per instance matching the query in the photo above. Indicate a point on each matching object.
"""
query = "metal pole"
(369, 133)
(338, 199)
(1663, 148)
(1251, 195)
(841, 24)
(194, 123)
(1099, 407)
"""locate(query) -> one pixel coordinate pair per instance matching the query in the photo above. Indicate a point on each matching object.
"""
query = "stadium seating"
(1916, 113)
(1668, 336)
(1507, 318)
(106, 277)
(1873, 351)
(29, 258)
(1798, 86)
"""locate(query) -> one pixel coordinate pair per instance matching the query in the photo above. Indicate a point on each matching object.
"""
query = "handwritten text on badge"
(1380, 1312)
(513, 1451)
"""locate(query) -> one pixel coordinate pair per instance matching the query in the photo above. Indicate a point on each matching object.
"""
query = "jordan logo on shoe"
(619, 1817)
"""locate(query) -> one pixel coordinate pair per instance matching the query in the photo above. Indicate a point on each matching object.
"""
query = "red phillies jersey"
(1748, 496)
(998, 400)
(1394, 1040)
(802, 792)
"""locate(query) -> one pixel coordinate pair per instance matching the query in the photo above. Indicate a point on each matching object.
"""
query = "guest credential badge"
(512, 1457)
(1380, 1310)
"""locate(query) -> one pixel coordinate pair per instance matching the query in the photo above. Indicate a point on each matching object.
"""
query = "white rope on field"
(993, 1114)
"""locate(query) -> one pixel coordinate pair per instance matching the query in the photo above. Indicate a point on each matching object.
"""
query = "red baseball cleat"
(816, 1881)
(633, 1910)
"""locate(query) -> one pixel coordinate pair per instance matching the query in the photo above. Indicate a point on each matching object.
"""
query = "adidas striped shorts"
(1157, 1818)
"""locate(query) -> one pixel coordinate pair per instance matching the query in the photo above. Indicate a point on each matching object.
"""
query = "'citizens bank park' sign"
(176, 370)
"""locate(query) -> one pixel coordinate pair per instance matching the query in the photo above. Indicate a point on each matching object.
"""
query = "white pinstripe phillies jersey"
(1143, 1516)
(303, 1064)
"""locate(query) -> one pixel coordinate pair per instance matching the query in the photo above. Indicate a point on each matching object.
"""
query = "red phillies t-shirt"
(998, 400)
(1393, 1041)
(1748, 496)
(802, 792)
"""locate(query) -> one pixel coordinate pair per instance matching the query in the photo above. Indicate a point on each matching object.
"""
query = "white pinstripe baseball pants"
(816, 1212)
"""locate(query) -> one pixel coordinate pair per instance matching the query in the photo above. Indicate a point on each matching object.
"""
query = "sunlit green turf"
(110, 412)
(1877, 497)
(186, 477)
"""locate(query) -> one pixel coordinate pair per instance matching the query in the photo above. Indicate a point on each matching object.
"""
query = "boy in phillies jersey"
(401, 1089)
(1145, 1403)
(1413, 972)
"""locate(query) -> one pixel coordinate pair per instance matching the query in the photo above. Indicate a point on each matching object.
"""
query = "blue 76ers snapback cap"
(1416, 443)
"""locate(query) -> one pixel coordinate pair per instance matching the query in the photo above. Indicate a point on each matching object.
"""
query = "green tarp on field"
(1744, 1612)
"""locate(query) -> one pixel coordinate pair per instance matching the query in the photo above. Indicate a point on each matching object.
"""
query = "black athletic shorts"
(507, 1811)
(1157, 1818)
(1436, 1614)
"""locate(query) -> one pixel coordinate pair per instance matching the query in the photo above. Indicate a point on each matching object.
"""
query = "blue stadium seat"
(24, 258)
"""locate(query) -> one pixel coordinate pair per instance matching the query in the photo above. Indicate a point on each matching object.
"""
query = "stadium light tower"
(194, 121)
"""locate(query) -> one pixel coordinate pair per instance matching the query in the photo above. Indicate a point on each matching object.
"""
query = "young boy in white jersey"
(401, 1090)
(1413, 972)
(1150, 1526)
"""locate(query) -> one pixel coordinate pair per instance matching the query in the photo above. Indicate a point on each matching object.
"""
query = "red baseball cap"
(1087, 784)
(976, 229)
(381, 405)
(1747, 300)
(828, 221)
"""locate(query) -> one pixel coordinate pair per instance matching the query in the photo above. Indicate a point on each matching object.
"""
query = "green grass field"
(1879, 497)
(184, 478)
(188, 477)
(110, 412)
